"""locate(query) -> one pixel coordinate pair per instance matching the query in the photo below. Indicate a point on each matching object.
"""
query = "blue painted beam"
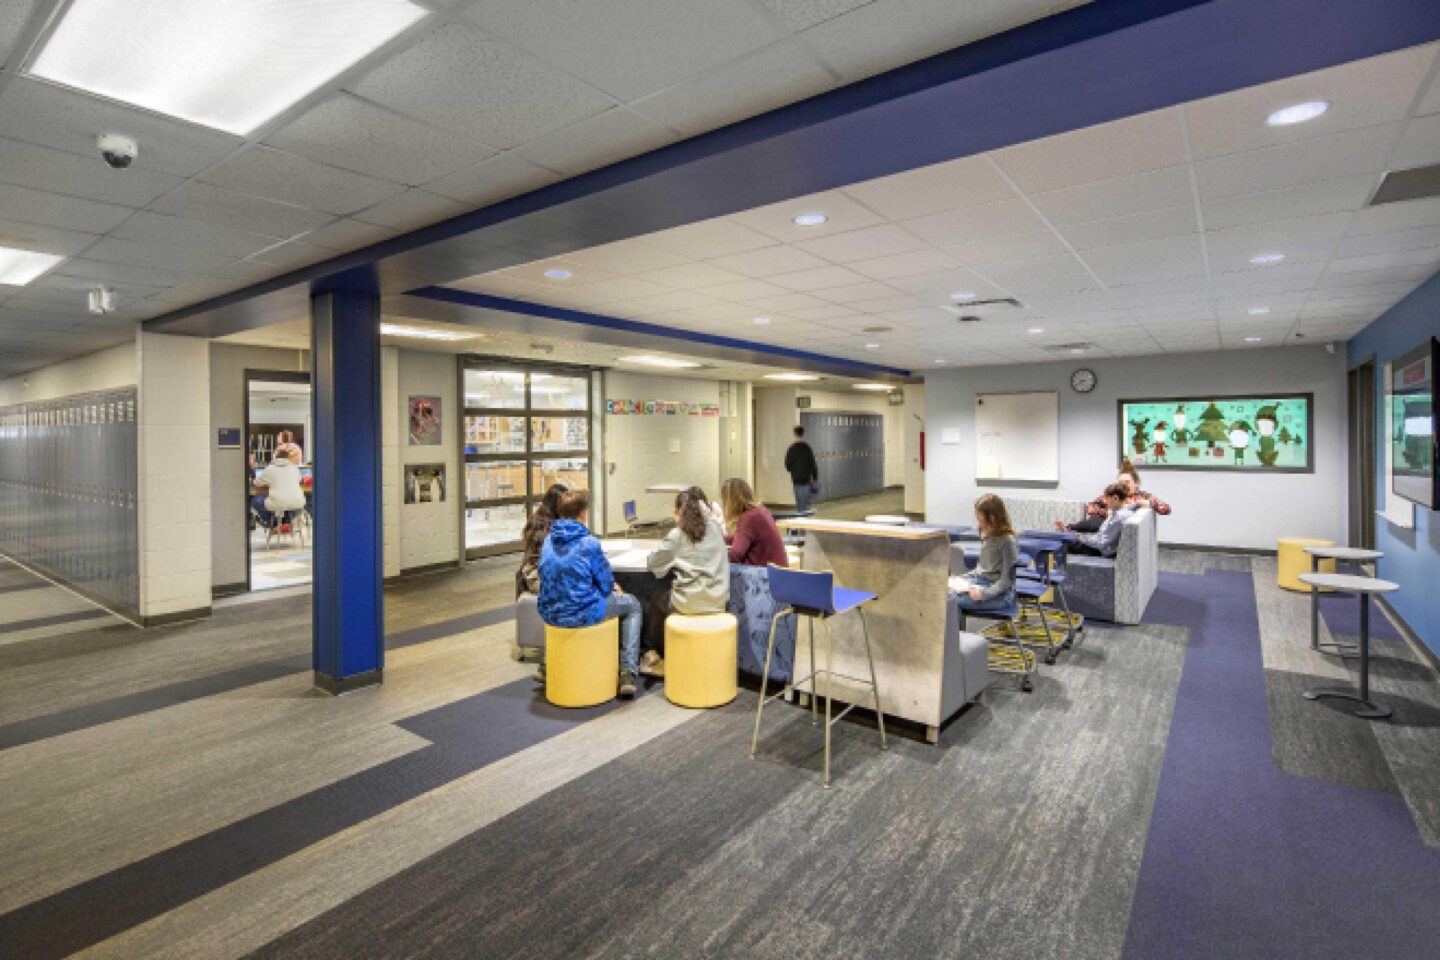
(1097, 63)
(347, 627)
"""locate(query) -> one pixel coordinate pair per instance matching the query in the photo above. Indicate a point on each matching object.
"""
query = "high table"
(1364, 587)
(1350, 554)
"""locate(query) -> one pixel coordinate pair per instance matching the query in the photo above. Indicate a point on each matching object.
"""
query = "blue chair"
(1013, 655)
(803, 593)
(1055, 574)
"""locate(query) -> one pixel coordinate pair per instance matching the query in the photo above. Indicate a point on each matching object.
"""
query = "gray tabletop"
(1344, 553)
(1348, 583)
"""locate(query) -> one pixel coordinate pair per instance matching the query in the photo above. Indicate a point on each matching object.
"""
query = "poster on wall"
(424, 483)
(1258, 433)
(424, 421)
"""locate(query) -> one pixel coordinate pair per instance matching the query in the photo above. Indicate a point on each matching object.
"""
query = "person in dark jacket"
(755, 540)
(578, 589)
(804, 471)
(537, 528)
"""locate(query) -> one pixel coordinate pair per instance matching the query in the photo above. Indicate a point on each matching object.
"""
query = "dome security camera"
(117, 151)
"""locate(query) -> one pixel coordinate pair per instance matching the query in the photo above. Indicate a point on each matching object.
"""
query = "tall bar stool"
(804, 593)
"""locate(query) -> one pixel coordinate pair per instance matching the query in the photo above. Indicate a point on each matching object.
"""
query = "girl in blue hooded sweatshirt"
(577, 588)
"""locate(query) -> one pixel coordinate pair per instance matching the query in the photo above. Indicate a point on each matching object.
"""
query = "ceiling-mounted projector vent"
(1080, 346)
(1417, 183)
(962, 308)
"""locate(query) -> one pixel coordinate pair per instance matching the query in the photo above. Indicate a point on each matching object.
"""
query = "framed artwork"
(1256, 432)
(424, 421)
(424, 483)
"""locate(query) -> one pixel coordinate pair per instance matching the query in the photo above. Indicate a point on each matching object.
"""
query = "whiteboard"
(1017, 438)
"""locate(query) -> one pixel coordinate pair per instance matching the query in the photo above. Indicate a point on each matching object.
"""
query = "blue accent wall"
(1412, 557)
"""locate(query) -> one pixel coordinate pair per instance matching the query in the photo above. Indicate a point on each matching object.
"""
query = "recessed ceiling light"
(1265, 259)
(1252, 339)
(19, 267)
(1258, 311)
(670, 363)
(558, 274)
(963, 295)
(219, 63)
(1037, 329)
(1077, 350)
(874, 386)
(1299, 113)
(762, 320)
(872, 346)
(791, 377)
(426, 333)
(939, 359)
(810, 219)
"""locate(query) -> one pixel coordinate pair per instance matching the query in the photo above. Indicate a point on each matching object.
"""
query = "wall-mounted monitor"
(1412, 433)
(1255, 432)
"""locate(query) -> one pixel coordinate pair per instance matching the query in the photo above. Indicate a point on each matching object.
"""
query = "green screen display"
(1219, 433)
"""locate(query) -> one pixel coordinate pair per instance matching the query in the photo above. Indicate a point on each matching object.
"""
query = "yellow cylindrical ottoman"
(582, 664)
(700, 665)
(1293, 561)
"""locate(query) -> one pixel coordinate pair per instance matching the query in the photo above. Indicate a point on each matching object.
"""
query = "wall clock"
(1083, 380)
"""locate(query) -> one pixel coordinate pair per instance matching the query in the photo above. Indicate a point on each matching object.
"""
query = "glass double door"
(526, 428)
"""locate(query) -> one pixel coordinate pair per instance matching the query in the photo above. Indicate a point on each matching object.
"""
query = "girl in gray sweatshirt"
(991, 585)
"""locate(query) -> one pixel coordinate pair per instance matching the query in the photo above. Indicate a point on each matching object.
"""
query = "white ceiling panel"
(820, 278)
(1361, 94)
(349, 133)
(343, 234)
(778, 220)
(623, 288)
(919, 263)
(1420, 146)
(1396, 216)
(1306, 200)
(55, 116)
(981, 252)
(240, 211)
(709, 239)
(772, 77)
(939, 286)
(26, 236)
(13, 16)
(629, 48)
(112, 272)
(788, 302)
(803, 14)
(598, 141)
(967, 182)
(1418, 260)
(768, 261)
(137, 254)
(1430, 103)
(870, 290)
(170, 231)
(1291, 164)
(823, 312)
(1134, 145)
(490, 181)
(629, 257)
(1121, 196)
(1140, 262)
(42, 168)
(290, 255)
(983, 222)
(456, 79)
(691, 276)
(864, 244)
(1154, 225)
(411, 209)
(55, 210)
(742, 290)
(282, 176)
(1390, 242)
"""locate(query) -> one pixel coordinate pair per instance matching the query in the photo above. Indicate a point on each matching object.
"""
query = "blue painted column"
(349, 624)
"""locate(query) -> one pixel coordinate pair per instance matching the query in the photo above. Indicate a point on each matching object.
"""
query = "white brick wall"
(390, 470)
(174, 467)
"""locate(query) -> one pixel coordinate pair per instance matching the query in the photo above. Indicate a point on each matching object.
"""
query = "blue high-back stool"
(803, 593)
(1055, 574)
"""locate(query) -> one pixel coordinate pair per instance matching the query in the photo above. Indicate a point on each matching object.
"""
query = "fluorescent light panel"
(426, 333)
(670, 363)
(874, 386)
(19, 267)
(227, 64)
(791, 377)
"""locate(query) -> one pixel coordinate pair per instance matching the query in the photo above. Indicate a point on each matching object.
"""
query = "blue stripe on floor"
(54, 619)
(467, 735)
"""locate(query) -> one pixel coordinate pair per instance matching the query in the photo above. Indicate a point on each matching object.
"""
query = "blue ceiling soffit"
(1093, 64)
(487, 312)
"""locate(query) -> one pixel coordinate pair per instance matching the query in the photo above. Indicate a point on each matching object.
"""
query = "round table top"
(1348, 582)
(889, 519)
(1344, 553)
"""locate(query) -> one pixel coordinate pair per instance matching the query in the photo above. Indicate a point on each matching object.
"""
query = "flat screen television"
(1412, 439)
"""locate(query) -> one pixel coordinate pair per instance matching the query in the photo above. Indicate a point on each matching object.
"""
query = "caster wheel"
(1027, 687)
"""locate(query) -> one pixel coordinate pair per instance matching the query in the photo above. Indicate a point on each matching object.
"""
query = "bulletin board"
(1269, 433)
(1017, 439)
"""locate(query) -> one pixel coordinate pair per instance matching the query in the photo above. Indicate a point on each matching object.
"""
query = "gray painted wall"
(1217, 509)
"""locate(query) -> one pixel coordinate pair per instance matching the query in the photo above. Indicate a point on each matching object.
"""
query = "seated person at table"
(991, 585)
(756, 541)
(285, 444)
(282, 494)
(537, 528)
(1105, 541)
(577, 588)
(1095, 510)
(693, 555)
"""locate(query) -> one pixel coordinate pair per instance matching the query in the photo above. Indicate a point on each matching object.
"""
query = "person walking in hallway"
(804, 471)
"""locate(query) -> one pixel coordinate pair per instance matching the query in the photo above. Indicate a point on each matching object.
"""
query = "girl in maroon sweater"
(756, 540)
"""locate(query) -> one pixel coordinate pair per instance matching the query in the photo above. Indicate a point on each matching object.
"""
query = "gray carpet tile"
(1019, 836)
(1312, 741)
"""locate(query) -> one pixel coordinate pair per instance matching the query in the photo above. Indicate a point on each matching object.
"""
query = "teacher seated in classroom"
(754, 540)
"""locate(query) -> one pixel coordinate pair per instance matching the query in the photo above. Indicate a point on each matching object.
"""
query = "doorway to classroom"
(278, 479)
(526, 428)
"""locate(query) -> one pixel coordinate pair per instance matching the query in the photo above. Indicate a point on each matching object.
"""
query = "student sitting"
(1096, 510)
(282, 494)
(756, 541)
(694, 553)
(577, 588)
(1106, 540)
(537, 528)
(991, 585)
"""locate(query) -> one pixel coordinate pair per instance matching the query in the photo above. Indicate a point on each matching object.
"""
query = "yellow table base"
(582, 664)
(700, 659)
(1293, 561)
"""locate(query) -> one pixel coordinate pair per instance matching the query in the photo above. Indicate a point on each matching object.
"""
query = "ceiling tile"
(976, 224)
(768, 261)
(1391, 242)
(290, 255)
(42, 168)
(1310, 199)
(411, 209)
(819, 278)
(1420, 146)
(1119, 197)
(68, 120)
(778, 220)
(746, 290)
(826, 311)
(346, 235)
(773, 77)
(1133, 145)
(107, 272)
(940, 285)
(627, 257)
(801, 14)
(493, 180)
(457, 79)
(919, 263)
(690, 276)
(967, 182)
(1362, 93)
(192, 235)
(856, 293)
(1139, 262)
(282, 176)
(1430, 103)
(625, 288)
(1300, 239)
(1416, 260)
(984, 251)
(787, 302)
(1307, 161)
(1396, 216)
(54, 210)
(864, 244)
(354, 135)
(136, 254)
(239, 211)
(597, 141)
(709, 239)
(629, 48)
(1154, 225)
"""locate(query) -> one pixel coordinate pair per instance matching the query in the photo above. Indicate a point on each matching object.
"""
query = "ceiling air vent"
(962, 308)
(1417, 183)
(1080, 346)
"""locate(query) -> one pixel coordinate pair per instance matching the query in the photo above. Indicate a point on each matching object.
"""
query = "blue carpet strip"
(54, 619)
(172, 694)
(1243, 860)
(466, 735)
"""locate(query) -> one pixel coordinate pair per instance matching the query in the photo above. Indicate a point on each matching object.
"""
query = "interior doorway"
(1360, 391)
(278, 479)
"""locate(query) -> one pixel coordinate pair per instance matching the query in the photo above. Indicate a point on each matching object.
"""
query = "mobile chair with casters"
(804, 593)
